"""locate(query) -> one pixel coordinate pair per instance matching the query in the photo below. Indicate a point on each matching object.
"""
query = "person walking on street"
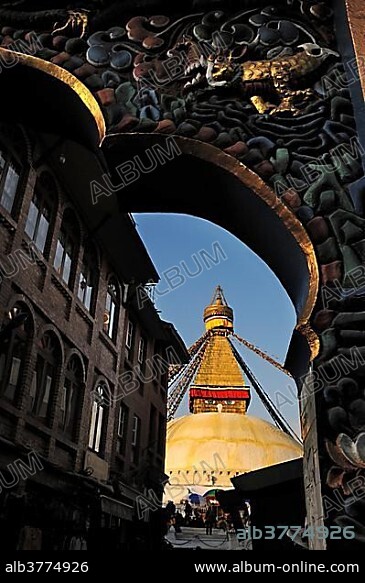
(209, 520)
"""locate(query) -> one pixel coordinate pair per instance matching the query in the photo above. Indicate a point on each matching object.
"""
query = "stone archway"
(292, 135)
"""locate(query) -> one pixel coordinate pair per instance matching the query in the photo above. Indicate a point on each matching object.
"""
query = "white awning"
(116, 508)
(203, 490)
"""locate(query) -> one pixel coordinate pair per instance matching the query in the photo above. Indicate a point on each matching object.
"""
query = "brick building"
(82, 406)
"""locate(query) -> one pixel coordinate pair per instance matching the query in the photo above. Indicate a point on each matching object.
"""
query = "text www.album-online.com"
(299, 567)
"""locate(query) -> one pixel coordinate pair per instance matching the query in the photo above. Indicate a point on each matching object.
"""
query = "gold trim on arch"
(356, 19)
(65, 77)
(251, 180)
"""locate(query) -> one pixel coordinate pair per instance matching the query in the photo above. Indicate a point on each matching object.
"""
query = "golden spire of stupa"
(218, 314)
(219, 384)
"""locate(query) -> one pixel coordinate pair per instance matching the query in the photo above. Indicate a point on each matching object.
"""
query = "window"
(71, 397)
(141, 362)
(41, 211)
(111, 313)
(159, 361)
(141, 350)
(98, 418)
(44, 376)
(14, 347)
(136, 429)
(9, 179)
(88, 278)
(152, 427)
(122, 428)
(64, 261)
(129, 339)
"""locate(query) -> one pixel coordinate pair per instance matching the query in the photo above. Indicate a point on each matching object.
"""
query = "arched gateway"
(245, 114)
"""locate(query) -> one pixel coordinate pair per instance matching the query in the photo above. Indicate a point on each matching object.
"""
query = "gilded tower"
(219, 385)
(218, 441)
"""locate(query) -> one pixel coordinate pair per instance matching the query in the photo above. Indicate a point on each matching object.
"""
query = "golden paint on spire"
(219, 368)
(219, 384)
(218, 314)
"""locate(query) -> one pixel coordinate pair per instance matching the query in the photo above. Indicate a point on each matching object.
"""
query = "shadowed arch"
(61, 101)
(52, 330)
(249, 209)
(23, 300)
(74, 353)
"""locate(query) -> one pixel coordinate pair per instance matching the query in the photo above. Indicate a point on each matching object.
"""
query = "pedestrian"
(188, 512)
(179, 521)
(209, 520)
(170, 509)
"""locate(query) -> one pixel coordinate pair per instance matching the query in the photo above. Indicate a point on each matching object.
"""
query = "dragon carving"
(278, 76)
(77, 20)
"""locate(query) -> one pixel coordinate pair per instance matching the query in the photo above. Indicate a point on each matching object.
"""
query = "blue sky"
(192, 257)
